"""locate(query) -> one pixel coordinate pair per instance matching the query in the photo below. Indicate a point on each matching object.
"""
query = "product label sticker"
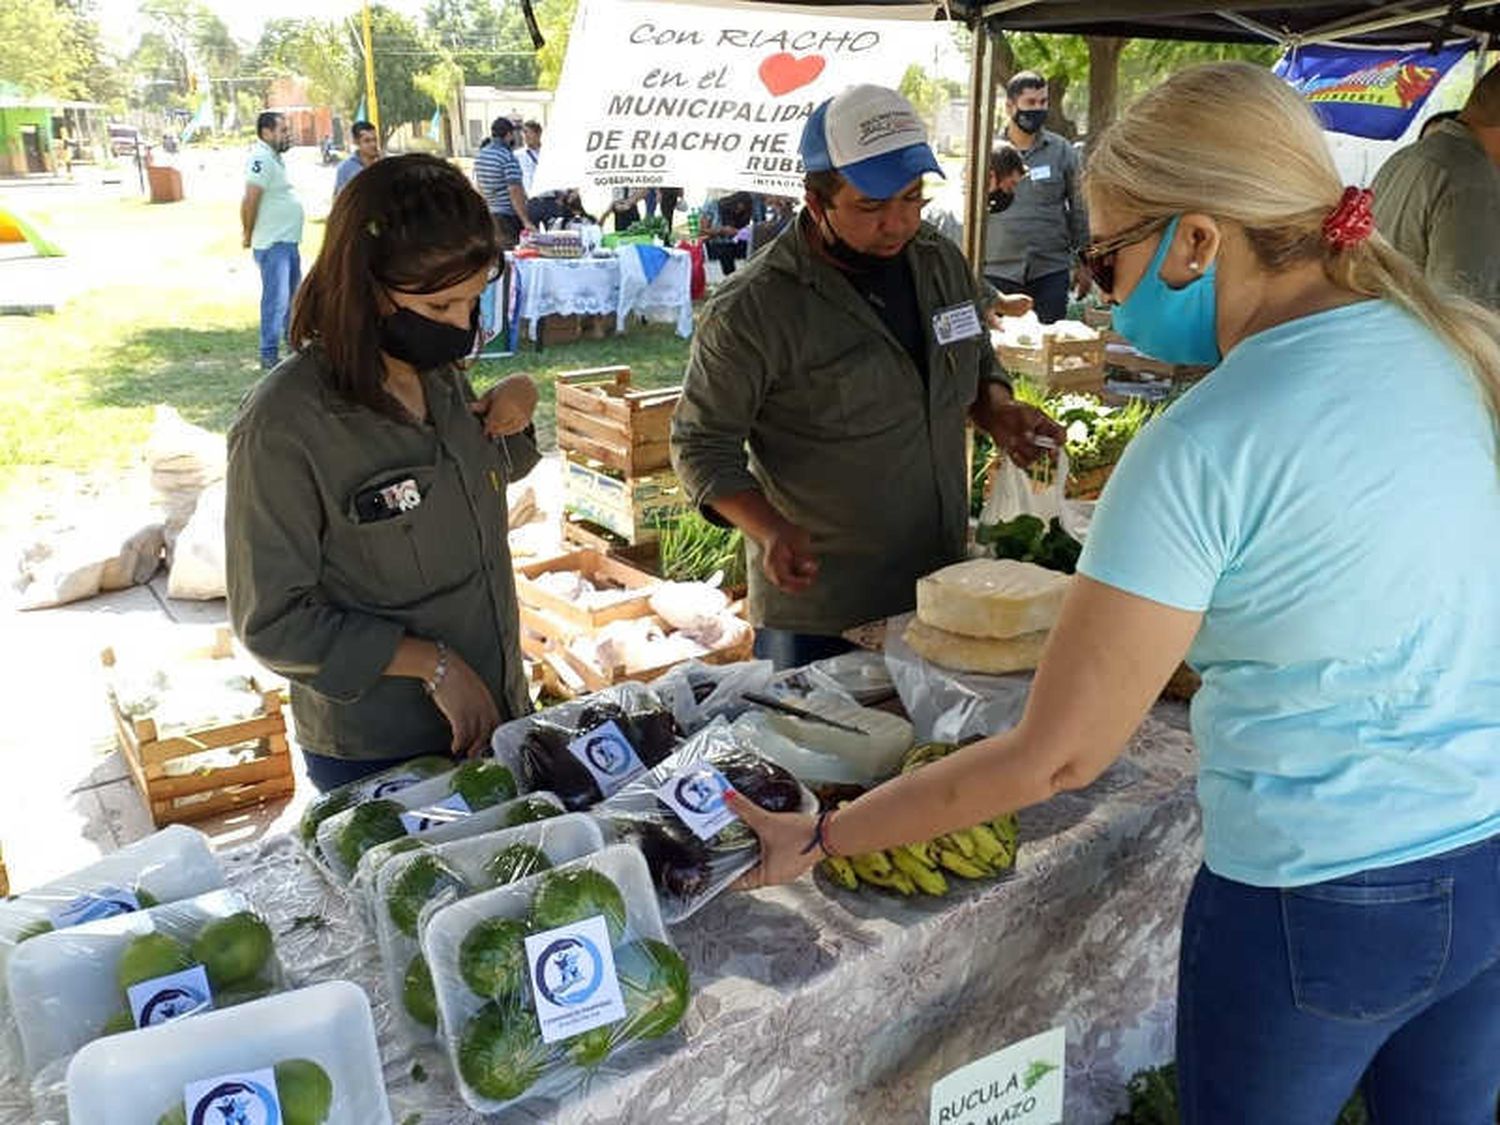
(250, 1098)
(959, 322)
(450, 808)
(608, 756)
(1040, 172)
(393, 785)
(106, 902)
(171, 997)
(1021, 1085)
(573, 981)
(696, 794)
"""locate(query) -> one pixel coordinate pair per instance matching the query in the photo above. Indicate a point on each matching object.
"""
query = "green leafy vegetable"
(694, 550)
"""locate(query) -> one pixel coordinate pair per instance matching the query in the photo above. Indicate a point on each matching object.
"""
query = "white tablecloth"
(602, 286)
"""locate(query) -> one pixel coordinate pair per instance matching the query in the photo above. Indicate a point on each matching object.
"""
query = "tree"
(35, 34)
(1104, 80)
(183, 42)
(316, 51)
(401, 50)
(491, 44)
(928, 97)
(555, 18)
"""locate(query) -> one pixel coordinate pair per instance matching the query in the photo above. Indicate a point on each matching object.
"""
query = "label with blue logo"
(106, 902)
(696, 794)
(250, 1098)
(607, 754)
(573, 981)
(450, 808)
(171, 997)
(394, 785)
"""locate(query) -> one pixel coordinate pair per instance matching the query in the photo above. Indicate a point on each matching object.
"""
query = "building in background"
(482, 104)
(33, 128)
(309, 123)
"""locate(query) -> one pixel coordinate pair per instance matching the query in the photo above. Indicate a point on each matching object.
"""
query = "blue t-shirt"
(1329, 498)
(346, 171)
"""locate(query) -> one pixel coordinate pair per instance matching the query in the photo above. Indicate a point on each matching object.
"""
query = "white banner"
(660, 94)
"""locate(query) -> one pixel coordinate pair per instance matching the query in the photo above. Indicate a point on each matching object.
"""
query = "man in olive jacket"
(830, 384)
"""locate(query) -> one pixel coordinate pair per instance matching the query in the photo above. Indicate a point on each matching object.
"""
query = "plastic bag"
(586, 749)
(509, 1008)
(523, 810)
(1012, 495)
(698, 693)
(381, 784)
(112, 975)
(141, 1080)
(414, 886)
(344, 837)
(948, 706)
(197, 572)
(694, 851)
(820, 755)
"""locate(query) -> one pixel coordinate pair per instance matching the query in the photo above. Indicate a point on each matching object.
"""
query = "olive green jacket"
(795, 387)
(323, 598)
(1438, 202)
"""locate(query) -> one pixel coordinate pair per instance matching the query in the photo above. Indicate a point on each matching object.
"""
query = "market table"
(628, 283)
(812, 1004)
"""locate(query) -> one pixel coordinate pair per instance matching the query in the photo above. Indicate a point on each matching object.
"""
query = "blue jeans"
(786, 649)
(326, 772)
(1286, 997)
(1048, 293)
(280, 273)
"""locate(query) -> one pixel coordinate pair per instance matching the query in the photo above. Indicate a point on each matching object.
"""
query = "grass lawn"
(175, 321)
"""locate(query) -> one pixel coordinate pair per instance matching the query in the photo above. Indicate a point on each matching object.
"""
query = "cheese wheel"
(975, 654)
(993, 598)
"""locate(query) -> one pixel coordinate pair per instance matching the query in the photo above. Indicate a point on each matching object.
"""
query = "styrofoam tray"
(413, 798)
(562, 839)
(64, 987)
(447, 928)
(133, 1079)
(492, 819)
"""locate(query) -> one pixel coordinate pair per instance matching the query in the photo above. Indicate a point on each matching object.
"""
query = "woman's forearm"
(415, 658)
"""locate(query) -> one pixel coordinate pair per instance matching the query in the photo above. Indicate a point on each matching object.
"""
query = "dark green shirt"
(323, 598)
(796, 387)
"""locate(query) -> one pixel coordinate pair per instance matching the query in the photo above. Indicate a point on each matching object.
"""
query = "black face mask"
(1000, 199)
(425, 343)
(847, 256)
(1030, 120)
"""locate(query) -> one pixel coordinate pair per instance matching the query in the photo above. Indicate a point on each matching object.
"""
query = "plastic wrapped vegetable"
(512, 968)
(382, 784)
(412, 887)
(585, 750)
(694, 847)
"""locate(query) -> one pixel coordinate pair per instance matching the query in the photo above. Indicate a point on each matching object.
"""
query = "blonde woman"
(1315, 527)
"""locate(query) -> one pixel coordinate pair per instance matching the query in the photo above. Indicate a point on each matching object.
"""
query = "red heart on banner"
(783, 72)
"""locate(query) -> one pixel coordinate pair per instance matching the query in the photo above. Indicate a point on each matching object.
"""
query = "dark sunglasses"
(1099, 255)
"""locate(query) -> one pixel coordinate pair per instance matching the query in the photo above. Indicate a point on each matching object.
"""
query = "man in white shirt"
(271, 225)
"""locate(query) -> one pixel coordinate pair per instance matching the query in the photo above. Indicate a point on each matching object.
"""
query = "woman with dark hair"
(366, 519)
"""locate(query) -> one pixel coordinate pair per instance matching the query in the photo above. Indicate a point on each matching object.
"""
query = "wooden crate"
(601, 418)
(182, 798)
(598, 568)
(1101, 317)
(1118, 354)
(584, 533)
(1057, 365)
(631, 508)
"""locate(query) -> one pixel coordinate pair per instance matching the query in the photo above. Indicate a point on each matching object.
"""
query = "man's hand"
(1015, 426)
(788, 559)
(247, 242)
(1007, 304)
(507, 407)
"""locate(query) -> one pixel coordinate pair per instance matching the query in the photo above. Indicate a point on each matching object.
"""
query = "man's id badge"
(960, 322)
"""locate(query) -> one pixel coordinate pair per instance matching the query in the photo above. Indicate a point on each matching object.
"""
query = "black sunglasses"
(1099, 255)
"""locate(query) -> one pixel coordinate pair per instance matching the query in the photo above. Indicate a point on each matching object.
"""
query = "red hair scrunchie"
(1351, 222)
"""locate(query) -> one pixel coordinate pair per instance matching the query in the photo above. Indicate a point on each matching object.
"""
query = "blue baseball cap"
(872, 137)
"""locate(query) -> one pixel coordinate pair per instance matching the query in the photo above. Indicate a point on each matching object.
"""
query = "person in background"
(271, 227)
(666, 199)
(530, 152)
(625, 206)
(719, 225)
(1007, 170)
(1032, 245)
(1344, 929)
(830, 387)
(366, 151)
(366, 517)
(498, 174)
(1438, 201)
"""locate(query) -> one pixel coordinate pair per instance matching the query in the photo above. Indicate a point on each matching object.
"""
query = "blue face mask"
(1172, 325)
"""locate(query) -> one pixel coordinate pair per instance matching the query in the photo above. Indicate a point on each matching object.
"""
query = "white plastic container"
(457, 1004)
(561, 839)
(363, 885)
(64, 985)
(134, 1079)
(430, 803)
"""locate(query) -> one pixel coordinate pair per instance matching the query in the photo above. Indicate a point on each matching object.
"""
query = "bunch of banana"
(981, 852)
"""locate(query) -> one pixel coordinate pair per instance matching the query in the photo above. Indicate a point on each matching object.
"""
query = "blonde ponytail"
(1234, 141)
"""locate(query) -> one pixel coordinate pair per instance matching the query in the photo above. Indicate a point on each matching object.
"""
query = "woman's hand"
(507, 407)
(1016, 426)
(783, 838)
(466, 703)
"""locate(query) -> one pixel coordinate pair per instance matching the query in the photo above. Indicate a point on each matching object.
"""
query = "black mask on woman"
(425, 343)
(1000, 199)
(1030, 120)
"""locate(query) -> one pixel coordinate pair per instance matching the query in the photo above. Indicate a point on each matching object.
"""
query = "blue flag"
(359, 114)
(435, 126)
(1368, 91)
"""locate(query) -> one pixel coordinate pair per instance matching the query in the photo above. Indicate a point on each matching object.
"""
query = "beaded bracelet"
(439, 671)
